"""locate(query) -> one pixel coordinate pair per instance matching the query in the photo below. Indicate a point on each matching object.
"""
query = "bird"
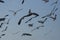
(54, 18)
(2, 19)
(55, 2)
(45, 1)
(30, 25)
(27, 34)
(5, 29)
(6, 15)
(28, 15)
(51, 13)
(8, 21)
(37, 28)
(15, 12)
(1, 1)
(22, 1)
(2, 34)
(42, 21)
(1, 25)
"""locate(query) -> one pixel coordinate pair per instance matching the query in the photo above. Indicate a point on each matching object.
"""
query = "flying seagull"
(51, 13)
(5, 29)
(22, 1)
(42, 21)
(2, 19)
(45, 1)
(1, 1)
(28, 15)
(30, 25)
(1, 25)
(55, 2)
(27, 34)
(37, 28)
(15, 12)
(54, 18)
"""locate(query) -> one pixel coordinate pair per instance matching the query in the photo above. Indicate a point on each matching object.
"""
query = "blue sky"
(51, 28)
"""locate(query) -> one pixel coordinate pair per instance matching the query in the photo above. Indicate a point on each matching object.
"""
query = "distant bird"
(1, 25)
(0, 37)
(3, 35)
(2, 19)
(42, 21)
(45, 1)
(5, 29)
(8, 21)
(51, 13)
(37, 28)
(1, 1)
(15, 12)
(54, 18)
(27, 34)
(55, 2)
(30, 25)
(6, 15)
(22, 1)
(30, 14)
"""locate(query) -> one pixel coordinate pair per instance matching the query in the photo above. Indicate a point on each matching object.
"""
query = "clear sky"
(51, 28)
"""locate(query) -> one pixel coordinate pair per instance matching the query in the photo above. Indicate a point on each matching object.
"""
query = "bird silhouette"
(45, 1)
(15, 12)
(54, 18)
(22, 1)
(2, 34)
(1, 25)
(42, 21)
(1, 1)
(5, 29)
(6, 15)
(30, 25)
(27, 34)
(55, 2)
(30, 14)
(2, 19)
(37, 28)
(51, 13)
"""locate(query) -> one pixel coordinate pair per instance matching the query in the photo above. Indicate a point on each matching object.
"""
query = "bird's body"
(1, 1)
(22, 1)
(28, 15)
(27, 34)
(2, 19)
(46, 1)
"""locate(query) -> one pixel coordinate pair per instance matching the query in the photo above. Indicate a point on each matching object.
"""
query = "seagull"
(30, 25)
(1, 25)
(15, 12)
(5, 29)
(1, 1)
(27, 34)
(55, 2)
(46, 1)
(42, 21)
(2, 34)
(2, 19)
(51, 13)
(37, 27)
(6, 15)
(30, 14)
(22, 1)
(54, 18)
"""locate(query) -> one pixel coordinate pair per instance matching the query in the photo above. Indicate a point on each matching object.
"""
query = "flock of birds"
(51, 15)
